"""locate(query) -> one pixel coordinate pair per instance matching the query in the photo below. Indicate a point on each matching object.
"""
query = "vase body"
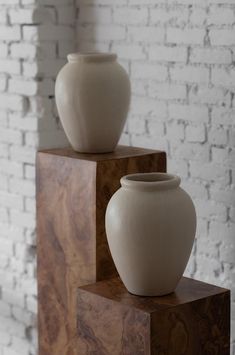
(150, 226)
(92, 94)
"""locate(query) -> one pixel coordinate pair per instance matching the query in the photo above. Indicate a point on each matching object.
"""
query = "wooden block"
(194, 320)
(72, 194)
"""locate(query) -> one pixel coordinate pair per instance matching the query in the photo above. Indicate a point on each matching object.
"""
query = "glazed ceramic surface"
(150, 226)
(92, 95)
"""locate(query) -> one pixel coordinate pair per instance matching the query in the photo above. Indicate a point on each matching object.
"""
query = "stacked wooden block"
(103, 318)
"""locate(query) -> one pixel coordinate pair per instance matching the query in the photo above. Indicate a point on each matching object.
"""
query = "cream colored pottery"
(92, 95)
(150, 225)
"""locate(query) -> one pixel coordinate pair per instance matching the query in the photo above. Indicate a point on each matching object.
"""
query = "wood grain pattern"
(72, 194)
(107, 328)
(194, 320)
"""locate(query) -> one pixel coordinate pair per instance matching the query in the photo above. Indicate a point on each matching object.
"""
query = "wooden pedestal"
(195, 320)
(72, 194)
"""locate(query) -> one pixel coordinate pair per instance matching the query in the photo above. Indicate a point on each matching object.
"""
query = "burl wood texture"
(194, 320)
(72, 194)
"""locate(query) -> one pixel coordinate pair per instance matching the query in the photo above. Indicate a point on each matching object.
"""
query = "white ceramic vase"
(150, 226)
(92, 94)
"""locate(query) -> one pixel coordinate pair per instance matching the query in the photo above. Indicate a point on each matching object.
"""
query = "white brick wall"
(179, 55)
(35, 36)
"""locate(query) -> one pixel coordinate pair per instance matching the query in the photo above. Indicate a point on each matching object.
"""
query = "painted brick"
(219, 155)
(47, 33)
(12, 102)
(23, 123)
(22, 344)
(25, 187)
(10, 325)
(3, 16)
(223, 116)
(209, 95)
(196, 190)
(190, 152)
(101, 33)
(222, 37)
(148, 107)
(11, 200)
(221, 16)
(10, 167)
(148, 141)
(3, 50)
(223, 77)
(10, 66)
(65, 47)
(175, 131)
(185, 36)
(178, 166)
(22, 154)
(21, 16)
(132, 16)
(10, 33)
(66, 15)
(7, 247)
(23, 87)
(9, 2)
(149, 71)
(45, 15)
(134, 52)
(155, 128)
(47, 50)
(195, 133)
(210, 172)
(173, 16)
(190, 74)
(5, 338)
(218, 135)
(31, 304)
(5, 311)
(198, 16)
(210, 55)
(23, 219)
(94, 14)
(210, 210)
(146, 34)
(23, 50)
(3, 82)
(192, 113)
(168, 53)
(167, 91)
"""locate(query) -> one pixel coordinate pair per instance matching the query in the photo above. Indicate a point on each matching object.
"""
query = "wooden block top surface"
(120, 152)
(188, 290)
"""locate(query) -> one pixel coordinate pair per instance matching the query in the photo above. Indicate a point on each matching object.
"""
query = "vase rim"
(151, 181)
(92, 57)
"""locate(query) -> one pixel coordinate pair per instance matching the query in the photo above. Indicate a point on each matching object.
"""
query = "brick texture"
(35, 37)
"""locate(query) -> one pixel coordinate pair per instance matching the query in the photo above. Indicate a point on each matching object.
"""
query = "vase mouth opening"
(151, 181)
(95, 57)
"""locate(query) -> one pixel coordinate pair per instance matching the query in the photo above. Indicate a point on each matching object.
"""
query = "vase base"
(93, 151)
(150, 294)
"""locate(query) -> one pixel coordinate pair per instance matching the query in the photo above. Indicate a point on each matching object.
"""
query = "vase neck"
(150, 181)
(92, 57)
